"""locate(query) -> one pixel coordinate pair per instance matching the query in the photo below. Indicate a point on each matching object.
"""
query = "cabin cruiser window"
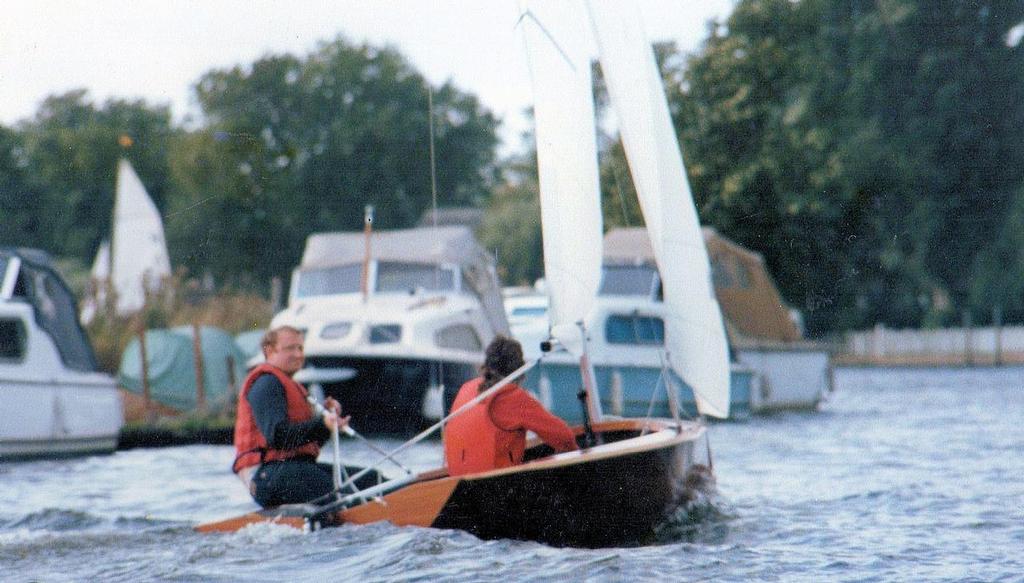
(343, 279)
(12, 339)
(630, 280)
(458, 337)
(720, 276)
(335, 330)
(529, 312)
(385, 333)
(409, 277)
(634, 329)
(4, 263)
(742, 275)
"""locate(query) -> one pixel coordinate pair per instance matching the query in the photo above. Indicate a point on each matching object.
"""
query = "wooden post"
(276, 295)
(232, 389)
(197, 356)
(968, 339)
(367, 231)
(997, 323)
(148, 413)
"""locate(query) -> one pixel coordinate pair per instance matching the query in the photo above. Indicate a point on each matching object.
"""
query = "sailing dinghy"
(631, 473)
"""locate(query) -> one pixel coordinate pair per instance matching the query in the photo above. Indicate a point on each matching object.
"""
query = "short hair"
(502, 357)
(270, 336)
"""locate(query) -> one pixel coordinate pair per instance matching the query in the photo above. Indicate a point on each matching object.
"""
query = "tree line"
(870, 151)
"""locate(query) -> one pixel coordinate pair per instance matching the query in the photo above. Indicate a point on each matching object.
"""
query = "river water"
(904, 475)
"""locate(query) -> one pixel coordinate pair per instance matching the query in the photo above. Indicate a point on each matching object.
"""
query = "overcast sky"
(156, 49)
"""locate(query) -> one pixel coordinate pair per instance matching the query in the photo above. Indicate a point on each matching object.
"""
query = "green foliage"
(20, 224)
(293, 146)
(869, 151)
(66, 164)
(511, 231)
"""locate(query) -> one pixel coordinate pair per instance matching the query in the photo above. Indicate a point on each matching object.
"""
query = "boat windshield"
(343, 279)
(391, 277)
(4, 260)
(408, 277)
(630, 280)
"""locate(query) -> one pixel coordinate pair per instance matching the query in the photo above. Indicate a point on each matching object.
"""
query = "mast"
(593, 399)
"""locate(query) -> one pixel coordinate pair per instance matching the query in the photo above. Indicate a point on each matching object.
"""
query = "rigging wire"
(435, 374)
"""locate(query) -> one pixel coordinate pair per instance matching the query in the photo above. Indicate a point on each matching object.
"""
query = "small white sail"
(695, 335)
(570, 196)
(139, 249)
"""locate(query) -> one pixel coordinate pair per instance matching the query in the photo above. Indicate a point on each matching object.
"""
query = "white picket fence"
(993, 344)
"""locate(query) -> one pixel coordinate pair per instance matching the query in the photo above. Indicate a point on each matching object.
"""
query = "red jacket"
(492, 434)
(250, 444)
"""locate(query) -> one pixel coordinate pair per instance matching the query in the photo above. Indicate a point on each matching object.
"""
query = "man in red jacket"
(277, 438)
(492, 433)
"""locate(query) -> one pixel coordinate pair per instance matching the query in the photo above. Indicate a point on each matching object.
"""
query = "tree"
(19, 203)
(69, 159)
(292, 146)
(864, 148)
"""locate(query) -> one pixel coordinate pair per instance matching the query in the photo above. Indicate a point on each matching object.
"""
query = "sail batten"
(559, 64)
(695, 333)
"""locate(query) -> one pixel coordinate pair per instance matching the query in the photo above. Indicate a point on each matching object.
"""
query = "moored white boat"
(782, 369)
(55, 402)
(394, 351)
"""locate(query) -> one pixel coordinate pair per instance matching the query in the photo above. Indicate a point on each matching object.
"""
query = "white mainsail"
(139, 259)
(136, 261)
(567, 162)
(695, 334)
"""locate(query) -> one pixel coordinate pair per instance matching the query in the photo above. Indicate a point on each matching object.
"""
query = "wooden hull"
(610, 495)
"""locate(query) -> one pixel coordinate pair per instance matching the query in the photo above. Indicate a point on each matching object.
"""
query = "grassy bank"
(166, 432)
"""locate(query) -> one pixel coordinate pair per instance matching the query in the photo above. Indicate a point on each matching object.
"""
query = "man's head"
(282, 347)
(502, 357)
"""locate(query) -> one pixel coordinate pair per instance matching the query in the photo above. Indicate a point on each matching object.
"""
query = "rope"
(423, 435)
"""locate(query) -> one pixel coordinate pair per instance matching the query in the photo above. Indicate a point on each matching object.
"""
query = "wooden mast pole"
(367, 232)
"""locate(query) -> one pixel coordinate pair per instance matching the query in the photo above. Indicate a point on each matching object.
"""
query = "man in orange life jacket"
(492, 433)
(277, 438)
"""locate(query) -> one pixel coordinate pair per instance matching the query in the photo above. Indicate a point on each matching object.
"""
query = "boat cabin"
(56, 403)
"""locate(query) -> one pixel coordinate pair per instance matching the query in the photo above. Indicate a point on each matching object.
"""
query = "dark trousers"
(301, 480)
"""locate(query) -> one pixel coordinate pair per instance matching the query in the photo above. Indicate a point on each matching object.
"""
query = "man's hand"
(331, 405)
(332, 421)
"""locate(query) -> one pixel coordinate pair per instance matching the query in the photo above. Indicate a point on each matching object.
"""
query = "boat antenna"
(438, 367)
(367, 231)
(433, 159)
(433, 177)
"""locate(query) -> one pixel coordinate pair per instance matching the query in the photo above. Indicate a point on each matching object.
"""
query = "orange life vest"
(473, 443)
(250, 444)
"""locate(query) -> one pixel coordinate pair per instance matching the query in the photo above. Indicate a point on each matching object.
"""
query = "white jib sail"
(139, 249)
(695, 335)
(559, 62)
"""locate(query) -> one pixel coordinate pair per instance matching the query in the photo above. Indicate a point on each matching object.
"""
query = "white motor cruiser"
(395, 321)
(55, 402)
